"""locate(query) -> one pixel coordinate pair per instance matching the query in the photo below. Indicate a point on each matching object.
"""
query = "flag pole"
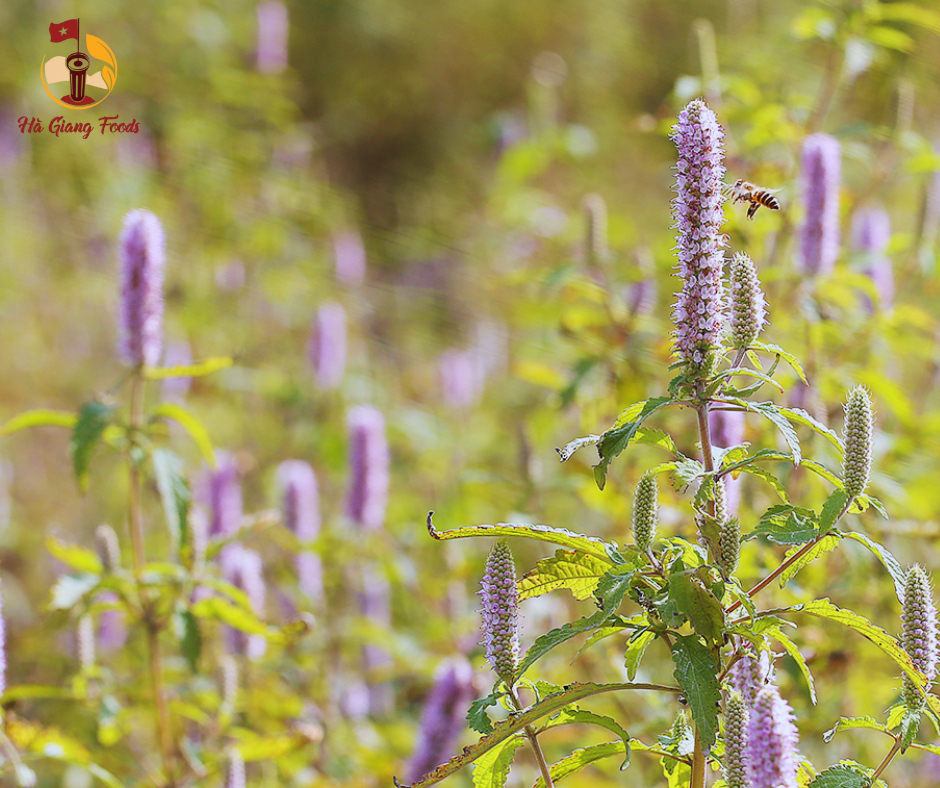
(78, 32)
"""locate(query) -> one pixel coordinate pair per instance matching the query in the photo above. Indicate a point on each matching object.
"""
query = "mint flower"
(225, 496)
(645, 512)
(748, 307)
(301, 507)
(368, 467)
(699, 310)
(500, 612)
(771, 742)
(142, 256)
(736, 720)
(327, 348)
(236, 770)
(871, 234)
(750, 674)
(919, 631)
(857, 438)
(819, 234)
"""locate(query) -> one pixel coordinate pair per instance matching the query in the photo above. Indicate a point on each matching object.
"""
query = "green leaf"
(269, 747)
(79, 558)
(215, 607)
(776, 415)
(190, 638)
(910, 723)
(793, 650)
(554, 637)
(698, 605)
(800, 416)
(477, 717)
(492, 768)
(517, 722)
(910, 12)
(586, 544)
(823, 608)
(571, 569)
(822, 471)
(68, 591)
(654, 437)
(571, 447)
(787, 525)
(696, 672)
(678, 773)
(579, 759)
(615, 440)
(852, 723)
(825, 545)
(635, 651)
(831, 509)
(574, 715)
(889, 561)
(31, 691)
(93, 418)
(773, 481)
(174, 494)
(864, 501)
(785, 355)
(40, 417)
(687, 471)
(842, 776)
(192, 425)
(890, 38)
(753, 373)
(197, 370)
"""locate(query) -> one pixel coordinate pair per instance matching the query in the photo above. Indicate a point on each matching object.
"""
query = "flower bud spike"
(729, 546)
(771, 742)
(108, 547)
(736, 721)
(918, 632)
(500, 612)
(857, 439)
(645, 512)
(748, 307)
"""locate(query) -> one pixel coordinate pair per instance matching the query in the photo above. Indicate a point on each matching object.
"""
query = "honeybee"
(745, 191)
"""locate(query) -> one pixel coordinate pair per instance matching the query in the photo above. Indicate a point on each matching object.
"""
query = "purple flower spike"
(368, 466)
(871, 233)
(461, 379)
(225, 496)
(243, 569)
(350, 257)
(273, 27)
(236, 770)
(699, 310)
(500, 612)
(750, 674)
(771, 742)
(919, 631)
(819, 235)
(142, 255)
(327, 351)
(443, 717)
(302, 516)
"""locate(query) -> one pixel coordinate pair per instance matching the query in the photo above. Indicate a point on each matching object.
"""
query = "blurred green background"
(456, 141)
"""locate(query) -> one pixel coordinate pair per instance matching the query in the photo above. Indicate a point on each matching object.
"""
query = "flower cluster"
(301, 506)
(748, 307)
(871, 233)
(819, 234)
(699, 311)
(645, 512)
(327, 349)
(368, 461)
(771, 742)
(856, 465)
(142, 257)
(500, 612)
(919, 631)
(735, 763)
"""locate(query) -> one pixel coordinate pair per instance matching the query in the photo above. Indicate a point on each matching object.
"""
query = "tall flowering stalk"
(301, 506)
(771, 742)
(327, 349)
(225, 496)
(273, 29)
(735, 760)
(142, 256)
(856, 466)
(699, 311)
(871, 234)
(819, 234)
(645, 512)
(919, 632)
(368, 467)
(443, 717)
(243, 569)
(500, 612)
(748, 307)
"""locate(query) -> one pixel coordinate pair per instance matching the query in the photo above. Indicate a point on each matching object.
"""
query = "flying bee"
(745, 191)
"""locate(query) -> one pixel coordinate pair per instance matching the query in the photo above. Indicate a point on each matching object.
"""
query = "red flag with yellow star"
(63, 30)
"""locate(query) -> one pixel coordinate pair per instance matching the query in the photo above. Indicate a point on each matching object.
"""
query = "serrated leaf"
(686, 471)
(776, 415)
(190, 638)
(800, 416)
(822, 471)
(579, 759)
(574, 715)
(197, 370)
(825, 545)
(40, 417)
(852, 723)
(635, 651)
(823, 608)
(767, 476)
(654, 437)
(79, 558)
(554, 637)
(910, 723)
(68, 591)
(477, 718)
(544, 533)
(176, 412)
(793, 650)
(785, 355)
(696, 672)
(787, 525)
(614, 440)
(882, 554)
(698, 605)
(864, 500)
(93, 418)
(841, 776)
(174, 494)
(831, 509)
(753, 373)
(505, 728)
(571, 569)
(492, 768)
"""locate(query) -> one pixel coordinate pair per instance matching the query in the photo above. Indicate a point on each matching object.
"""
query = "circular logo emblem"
(89, 76)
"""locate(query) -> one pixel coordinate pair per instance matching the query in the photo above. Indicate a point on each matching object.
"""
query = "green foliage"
(93, 418)
(696, 674)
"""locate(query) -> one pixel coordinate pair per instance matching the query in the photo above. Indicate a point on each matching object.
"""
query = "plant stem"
(150, 618)
(698, 763)
(892, 754)
(533, 740)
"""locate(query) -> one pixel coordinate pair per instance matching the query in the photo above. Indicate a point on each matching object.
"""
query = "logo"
(84, 89)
